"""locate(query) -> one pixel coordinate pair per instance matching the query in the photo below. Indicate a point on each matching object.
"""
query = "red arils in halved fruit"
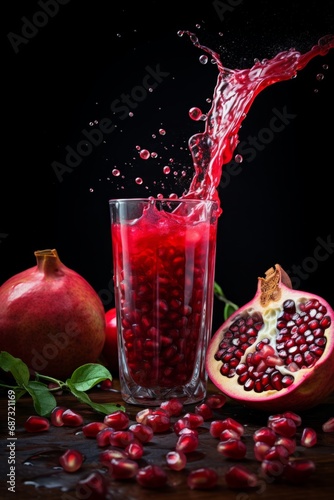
(204, 478)
(277, 351)
(71, 460)
(34, 423)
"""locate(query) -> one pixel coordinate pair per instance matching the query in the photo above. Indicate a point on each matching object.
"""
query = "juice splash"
(233, 96)
(164, 256)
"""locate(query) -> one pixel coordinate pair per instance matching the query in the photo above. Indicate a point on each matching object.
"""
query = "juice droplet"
(166, 170)
(131, 114)
(173, 196)
(91, 190)
(203, 59)
(139, 180)
(162, 131)
(195, 114)
(115, 172)
(154, 154)
(138, 148)
(238, 158)
(160, 196)
(320, 77)
(144, 154)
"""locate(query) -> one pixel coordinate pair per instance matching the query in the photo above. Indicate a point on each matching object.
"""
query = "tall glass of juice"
(164, 254)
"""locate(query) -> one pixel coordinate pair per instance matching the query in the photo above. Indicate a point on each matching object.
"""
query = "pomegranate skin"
(296, 380)
(51, 318)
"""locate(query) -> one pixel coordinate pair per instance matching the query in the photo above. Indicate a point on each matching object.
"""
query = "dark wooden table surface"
(39, 476)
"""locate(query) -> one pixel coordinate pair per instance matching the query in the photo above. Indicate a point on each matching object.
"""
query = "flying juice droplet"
(144, 154)
(195, 114)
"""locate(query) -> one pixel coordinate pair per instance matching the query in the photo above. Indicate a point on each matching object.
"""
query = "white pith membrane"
(279, 376)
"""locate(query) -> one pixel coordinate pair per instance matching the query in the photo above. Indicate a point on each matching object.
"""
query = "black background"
(87, 55)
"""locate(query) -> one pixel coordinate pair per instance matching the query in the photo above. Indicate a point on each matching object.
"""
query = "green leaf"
(19, 393)
(44, 401)
(16, 366)
(86, 376)
(228, 310)
(105, 408)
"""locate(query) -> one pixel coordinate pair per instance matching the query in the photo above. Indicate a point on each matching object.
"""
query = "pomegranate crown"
(270, 285)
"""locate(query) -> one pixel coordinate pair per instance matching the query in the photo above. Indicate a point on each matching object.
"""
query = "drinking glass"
(163, 260)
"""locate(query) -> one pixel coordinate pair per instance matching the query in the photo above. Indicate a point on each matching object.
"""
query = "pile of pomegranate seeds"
(122, 446)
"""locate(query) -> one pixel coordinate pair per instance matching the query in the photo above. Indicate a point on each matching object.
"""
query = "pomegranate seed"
(296, 418)
(228, 434)
(143, 414)
(176, 460)
(277, 452)
(216, 428)
(288, 443)
(216, 401)
(71, 460)
(106, 456)
(202, 479)
(93, 428)
(158, 422)
(71, 418)
(328, 426)
(119, 420)
(265, 435)
(232, 448)
(297, 471)
(284, 426)
(308, 438)
(260, 450)
(93, 487)
(193, 420)
(187, 443)
(151, 476)
(204, 411)
(173, 407)
(35, 423)
(179, 425)
(123, 468)
(134, 450)
(271, 468)
(240, 477)
(56, 416)
(143, 432)
(103, 437)
(121, 438)
(106, 385)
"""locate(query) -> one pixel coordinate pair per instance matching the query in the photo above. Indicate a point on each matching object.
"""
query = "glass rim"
(153, 199)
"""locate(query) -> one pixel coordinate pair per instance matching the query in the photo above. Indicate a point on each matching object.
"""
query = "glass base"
(143, 396)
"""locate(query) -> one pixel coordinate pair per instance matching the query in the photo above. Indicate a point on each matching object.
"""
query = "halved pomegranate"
(277, 351)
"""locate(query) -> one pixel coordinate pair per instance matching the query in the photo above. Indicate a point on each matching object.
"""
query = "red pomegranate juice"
(164, 253)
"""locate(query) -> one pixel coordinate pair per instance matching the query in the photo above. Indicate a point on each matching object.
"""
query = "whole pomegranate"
(51, 317)
(277, 351)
